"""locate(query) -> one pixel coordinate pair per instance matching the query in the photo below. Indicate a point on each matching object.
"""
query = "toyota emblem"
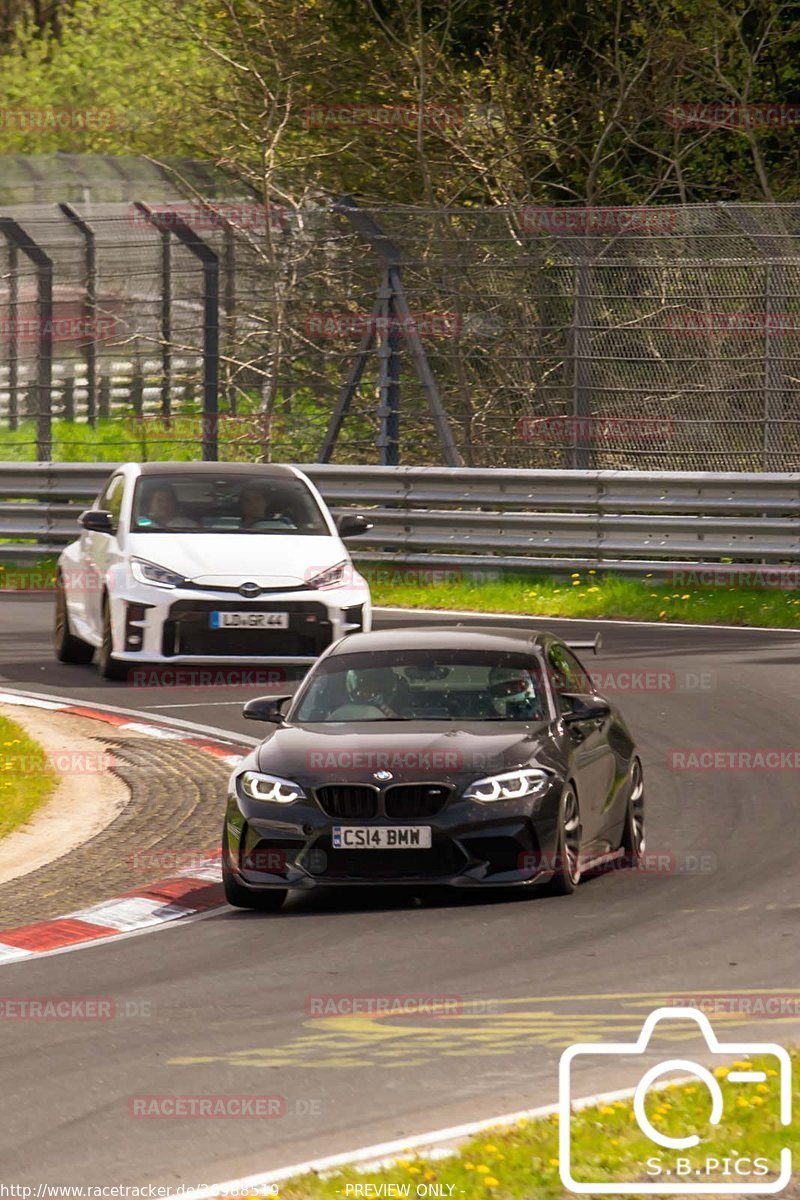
(250, 590)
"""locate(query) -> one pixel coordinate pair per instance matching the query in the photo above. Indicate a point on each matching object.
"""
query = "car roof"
(268, 470)
(444, 637)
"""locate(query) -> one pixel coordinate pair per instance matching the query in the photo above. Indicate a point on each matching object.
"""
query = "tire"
(633, 831)
(110, 667)
(68, 647)
(567, 873)
(268, 900)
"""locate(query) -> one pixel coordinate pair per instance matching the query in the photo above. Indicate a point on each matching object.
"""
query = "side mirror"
(586, 708)
(97, 520)
(266, 708)
(352, 524)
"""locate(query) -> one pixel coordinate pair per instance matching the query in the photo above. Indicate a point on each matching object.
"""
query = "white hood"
(229, 559)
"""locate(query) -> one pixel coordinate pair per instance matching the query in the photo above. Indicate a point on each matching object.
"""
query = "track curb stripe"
(187, 894)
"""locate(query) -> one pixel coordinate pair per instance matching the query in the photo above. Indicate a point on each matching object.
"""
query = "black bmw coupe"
(468, 757)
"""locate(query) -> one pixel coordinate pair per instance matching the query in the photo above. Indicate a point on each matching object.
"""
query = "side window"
(111, 499)
(568, 675)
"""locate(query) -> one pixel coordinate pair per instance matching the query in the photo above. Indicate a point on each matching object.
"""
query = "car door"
(100, 551)
(593, 760)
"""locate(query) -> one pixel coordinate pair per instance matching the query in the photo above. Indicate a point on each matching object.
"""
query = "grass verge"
(587, 594)
(26, 777)
(607, 1146)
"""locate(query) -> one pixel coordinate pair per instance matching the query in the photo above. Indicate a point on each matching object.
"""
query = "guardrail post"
(16, 235)
(168, 222)
(90, 262)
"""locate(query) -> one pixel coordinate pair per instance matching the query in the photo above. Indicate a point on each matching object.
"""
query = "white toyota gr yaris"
(207, 562)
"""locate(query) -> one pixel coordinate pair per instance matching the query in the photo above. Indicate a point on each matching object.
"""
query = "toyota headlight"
(270, 788)
(512, 785)
(331, 576)
(154, 575)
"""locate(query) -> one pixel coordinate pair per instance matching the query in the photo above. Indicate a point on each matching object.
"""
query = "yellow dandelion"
(482, 1169)
(490, 1181)
(553, 1162)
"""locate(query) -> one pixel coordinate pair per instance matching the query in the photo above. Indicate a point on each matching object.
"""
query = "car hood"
(413, 752)
(228, 559)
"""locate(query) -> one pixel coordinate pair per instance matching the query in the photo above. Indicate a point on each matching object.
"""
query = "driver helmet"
(512, 691)
(369, 687)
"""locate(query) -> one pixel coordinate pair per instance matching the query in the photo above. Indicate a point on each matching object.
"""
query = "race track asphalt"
(220, 1006)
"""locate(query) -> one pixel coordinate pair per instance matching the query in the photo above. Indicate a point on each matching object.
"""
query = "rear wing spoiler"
(593, 646)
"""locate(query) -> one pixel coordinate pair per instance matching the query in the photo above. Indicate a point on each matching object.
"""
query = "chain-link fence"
(661, 338)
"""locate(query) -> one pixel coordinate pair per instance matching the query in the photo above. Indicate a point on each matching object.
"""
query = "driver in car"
(161, 509)
(513, 694)
(377, 689)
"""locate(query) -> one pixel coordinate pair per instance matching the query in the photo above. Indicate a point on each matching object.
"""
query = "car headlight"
(270, 788)
(331, 576)
(510, 786)
(151, 573)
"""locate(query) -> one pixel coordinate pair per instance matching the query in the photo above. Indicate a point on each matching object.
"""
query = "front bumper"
(160, 626)
(506, 844)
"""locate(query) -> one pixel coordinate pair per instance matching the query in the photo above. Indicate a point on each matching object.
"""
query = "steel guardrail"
(629, 521)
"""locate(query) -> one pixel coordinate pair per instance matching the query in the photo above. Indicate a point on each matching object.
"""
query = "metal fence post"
(167, 222)
(166, 325)
(13, 349)
(90, 261)
(389, 380)
(774, 368)
(16, 235)
(581, 364)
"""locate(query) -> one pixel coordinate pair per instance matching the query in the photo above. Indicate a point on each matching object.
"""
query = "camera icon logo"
(676, 1173)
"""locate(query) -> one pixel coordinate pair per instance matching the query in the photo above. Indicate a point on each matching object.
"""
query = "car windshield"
(424, 685)
(225, 503)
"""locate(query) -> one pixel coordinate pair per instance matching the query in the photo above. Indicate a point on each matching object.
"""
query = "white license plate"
(249, 620)
(385, 837)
